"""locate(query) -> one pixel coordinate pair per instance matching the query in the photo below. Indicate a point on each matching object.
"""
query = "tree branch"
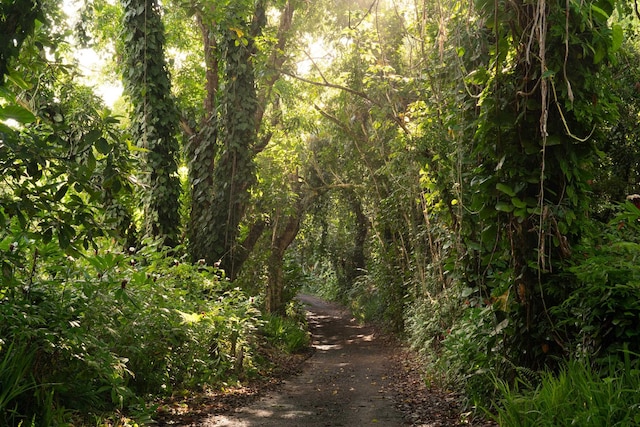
(357, 93)
(243, 250)
(276, 61)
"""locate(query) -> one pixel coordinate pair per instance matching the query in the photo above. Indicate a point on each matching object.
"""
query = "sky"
(91, 63)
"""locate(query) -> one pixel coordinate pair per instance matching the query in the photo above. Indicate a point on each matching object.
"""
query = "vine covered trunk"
(154, 118)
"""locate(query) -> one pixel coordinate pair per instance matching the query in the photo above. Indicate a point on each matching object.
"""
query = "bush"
(462, 340)
(577, 396)
(286, 333)
(105, 330)
(600, 314)
(428, 319)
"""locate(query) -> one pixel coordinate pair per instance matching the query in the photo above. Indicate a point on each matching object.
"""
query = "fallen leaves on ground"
(421, 405)
(425, 406)
(187, 410)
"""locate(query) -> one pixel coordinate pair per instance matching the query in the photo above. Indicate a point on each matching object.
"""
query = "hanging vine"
(154, 117)
(542, 87)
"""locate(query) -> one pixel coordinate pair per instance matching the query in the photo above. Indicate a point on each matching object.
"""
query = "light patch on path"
(343, 384)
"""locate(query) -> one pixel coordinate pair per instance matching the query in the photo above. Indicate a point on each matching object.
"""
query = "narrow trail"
(345, 383)
(355, 378)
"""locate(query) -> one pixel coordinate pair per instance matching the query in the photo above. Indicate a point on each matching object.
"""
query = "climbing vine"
(542, 109)
(154, 117)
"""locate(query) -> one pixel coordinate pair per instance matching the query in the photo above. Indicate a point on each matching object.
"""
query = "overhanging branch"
(397, 120)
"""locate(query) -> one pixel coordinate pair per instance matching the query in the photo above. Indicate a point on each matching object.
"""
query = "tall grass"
(14, 380)
(579, 395)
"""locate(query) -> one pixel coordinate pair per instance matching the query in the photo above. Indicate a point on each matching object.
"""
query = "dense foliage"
(154, 118)
(458, 171)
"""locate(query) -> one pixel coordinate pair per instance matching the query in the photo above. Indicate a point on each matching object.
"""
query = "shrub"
(106, 329)
(600, 314)
(288, 334)
(577, 396)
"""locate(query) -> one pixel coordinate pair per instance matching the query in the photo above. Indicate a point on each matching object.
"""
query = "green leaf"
(489, 235)
(103, 146)
(17, 113)
(61, 192)
(92, 136)
(520, 213)
(599, 12)
(17, 80)
(504, 207)
(190, 318)
(65, 234)
(599, 54)
(33, 169)
(553, 140)
(518, 203)
(5, 243)
(617, 37)
(548, 74)
(47, 235)
(505, 189)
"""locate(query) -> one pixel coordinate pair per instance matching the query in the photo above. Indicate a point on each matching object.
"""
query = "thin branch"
(355, 139)
(363, 16)
(337, 122)
(276, 61)
(342, 186)
(186, 128)
(359, 94)
(325, 83)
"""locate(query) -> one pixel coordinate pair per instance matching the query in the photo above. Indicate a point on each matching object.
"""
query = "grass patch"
(578, 395)
(287, 334)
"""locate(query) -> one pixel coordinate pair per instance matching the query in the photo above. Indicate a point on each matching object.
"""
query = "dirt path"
(345, 383)
(356, 377)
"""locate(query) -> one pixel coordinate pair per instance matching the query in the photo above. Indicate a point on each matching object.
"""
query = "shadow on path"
(342, 384)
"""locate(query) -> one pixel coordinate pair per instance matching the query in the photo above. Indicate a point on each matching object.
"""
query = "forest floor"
(355, 376)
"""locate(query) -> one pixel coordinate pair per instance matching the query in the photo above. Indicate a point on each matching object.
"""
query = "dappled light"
(343, 384)
(341, 212)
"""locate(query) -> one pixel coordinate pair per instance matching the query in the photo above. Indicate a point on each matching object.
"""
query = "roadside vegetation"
(464, 173)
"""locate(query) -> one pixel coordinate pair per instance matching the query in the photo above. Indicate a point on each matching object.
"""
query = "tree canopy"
(463, 172)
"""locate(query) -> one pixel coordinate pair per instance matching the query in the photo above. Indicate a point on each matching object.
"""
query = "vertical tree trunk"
(154, 119)
(279, 244)
(281, 238)
(235, 170)
(220, 192)
(356, 265)
(201, 150)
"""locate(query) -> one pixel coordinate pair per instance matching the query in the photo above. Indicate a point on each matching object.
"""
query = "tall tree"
(235, 171)
(154, 117)
(222, 150)
(542, 110)
(17, 20)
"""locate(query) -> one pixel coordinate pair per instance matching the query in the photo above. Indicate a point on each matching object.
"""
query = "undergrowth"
(107, 331)
(579, 395)
(588, 339)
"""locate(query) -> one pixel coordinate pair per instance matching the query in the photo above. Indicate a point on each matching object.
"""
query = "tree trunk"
(220, 194)
(279, 244)
(245, 248)
(235, 171)
(280, 241)
(202, 149)
(154, 118)
(357, 262)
